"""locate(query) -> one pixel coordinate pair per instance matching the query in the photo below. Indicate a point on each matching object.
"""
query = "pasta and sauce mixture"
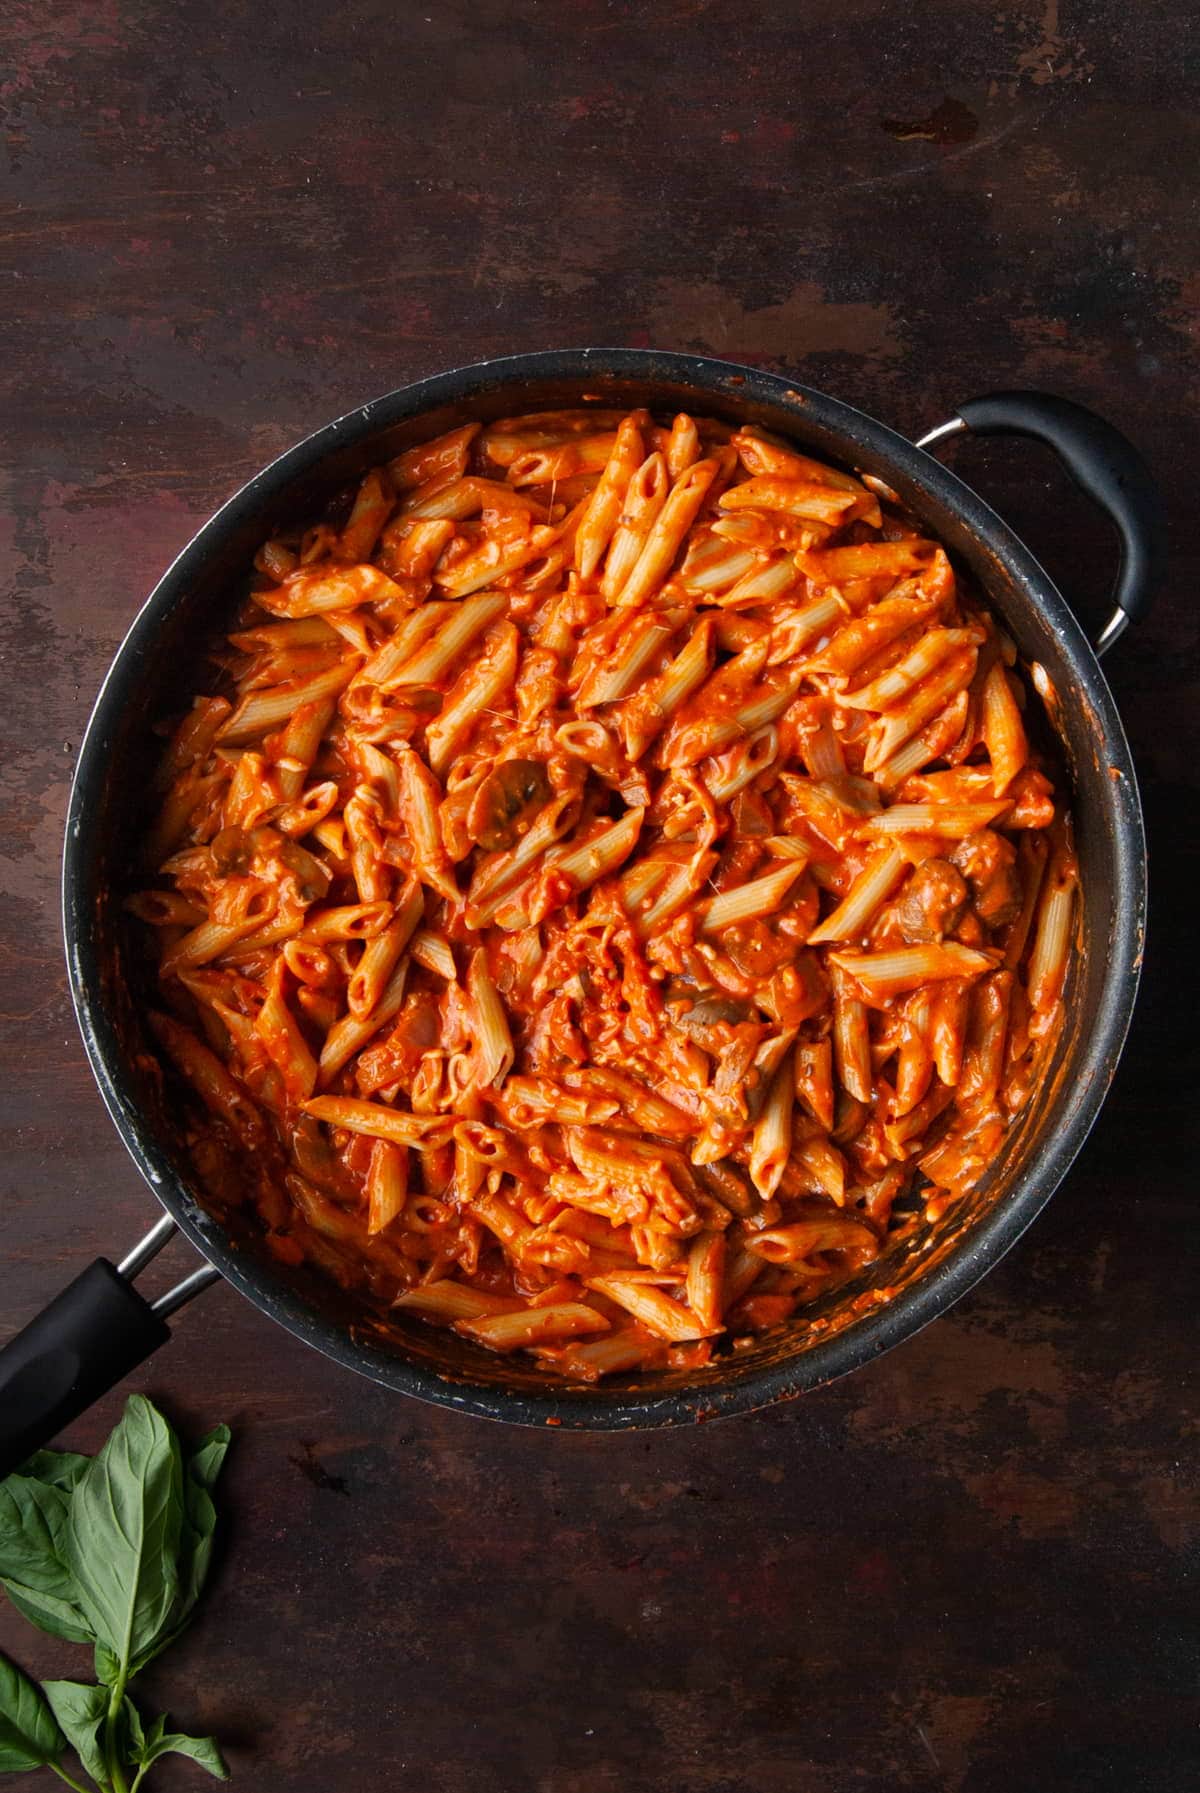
(608, 886)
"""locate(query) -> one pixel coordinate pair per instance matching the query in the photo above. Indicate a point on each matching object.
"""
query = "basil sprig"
(110, 1551)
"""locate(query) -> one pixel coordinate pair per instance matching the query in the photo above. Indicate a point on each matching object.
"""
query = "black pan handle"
(1105, 465)
(83, 1343)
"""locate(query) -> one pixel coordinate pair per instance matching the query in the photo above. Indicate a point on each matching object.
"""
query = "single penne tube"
(401, 646)
(284, 1040)
(373, 505)
(381, 954)
(665, 536)
(674, 893)
(202, 1069)
(641, 643)
(424, 1131)
(386, 1184)
(420, 801)
(453, 635)
(445, 457)
(868, 560)
(869, 891)
(478, 688)
(761, 453)
(448, 1301)
(210, 940)
(1052, 941)
(415, 547)
(533, 1326)
(952, 821)
(705, 1286)
(626, 1349)
(658, 1313)
(1003, 730)
(349, 921)
(857, 640)
(603, 510)
(296, 746)
(350, 1033)
(896, 683)
(500, 1218)
(644, 497)
(763, 585)
(896, 969)
(435, 953)
(771, 1142)
(762, 896)
(949, 1005)
(278, 638)
(314, 591)
(732, 771)
(683, 445)
(603, 853)
(851, 1038)
(562, 460)
(792, 1244)
(493, 1047)
(713, 565)
(797, 497)
(262, 711)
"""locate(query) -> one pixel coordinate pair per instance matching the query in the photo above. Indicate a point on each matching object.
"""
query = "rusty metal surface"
(966, 1568)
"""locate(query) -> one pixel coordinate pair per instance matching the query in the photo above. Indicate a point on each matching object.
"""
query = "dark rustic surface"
(966, 1569)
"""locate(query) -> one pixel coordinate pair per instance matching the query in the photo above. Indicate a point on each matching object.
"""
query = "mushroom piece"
(506, 802)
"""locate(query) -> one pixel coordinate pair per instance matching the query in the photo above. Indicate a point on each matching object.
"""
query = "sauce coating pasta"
(608, 883)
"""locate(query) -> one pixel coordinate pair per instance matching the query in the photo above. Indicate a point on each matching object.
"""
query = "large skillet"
(100, 1327)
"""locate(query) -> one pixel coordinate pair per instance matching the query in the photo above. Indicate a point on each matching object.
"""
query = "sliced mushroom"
(506, 803)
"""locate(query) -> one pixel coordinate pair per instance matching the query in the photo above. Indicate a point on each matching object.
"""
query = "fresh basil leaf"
(199, 1524)
(33, 1536)
(29, 1735)
(123, 1533)
(61, 1618)
(81, 1711)
(58, 1469)
(204, 1464)
(161, 1742)
(135, 1736)
(108, 1669)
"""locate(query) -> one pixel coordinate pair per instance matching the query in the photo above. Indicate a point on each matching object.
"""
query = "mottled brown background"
(967, 1568)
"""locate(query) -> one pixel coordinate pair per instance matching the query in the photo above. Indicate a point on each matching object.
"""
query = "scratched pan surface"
(933, 1264)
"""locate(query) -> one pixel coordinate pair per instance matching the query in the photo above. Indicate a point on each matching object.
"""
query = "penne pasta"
(611, 892)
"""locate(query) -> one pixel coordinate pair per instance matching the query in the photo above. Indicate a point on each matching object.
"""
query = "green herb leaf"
(161, 1742)
(204, 1464)
(81, 1711)
(108, 1669)
(33, 1526)
(29, 1735)
(135, 1735)
(123, 1533)
(200, 1522)
(59, 1617)
(59, 1469)
(33, 1552)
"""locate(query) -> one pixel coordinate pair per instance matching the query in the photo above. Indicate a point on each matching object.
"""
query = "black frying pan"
(100, 1327)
